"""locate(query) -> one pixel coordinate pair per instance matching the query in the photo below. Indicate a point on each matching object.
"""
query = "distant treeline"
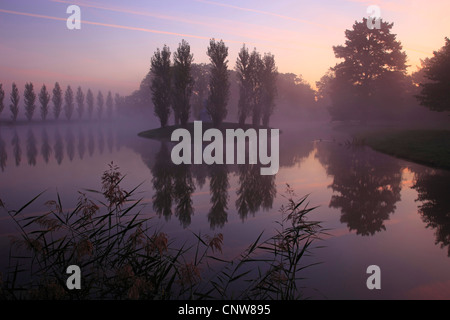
(58, 101)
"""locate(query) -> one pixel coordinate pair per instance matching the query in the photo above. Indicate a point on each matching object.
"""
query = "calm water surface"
(377, 209)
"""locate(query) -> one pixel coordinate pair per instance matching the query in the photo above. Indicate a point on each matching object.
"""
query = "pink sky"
(112, 50)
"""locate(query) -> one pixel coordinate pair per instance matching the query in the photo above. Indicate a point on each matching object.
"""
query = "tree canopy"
(435, 90)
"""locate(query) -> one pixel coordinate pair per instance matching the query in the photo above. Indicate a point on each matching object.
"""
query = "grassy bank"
(426, 146)
(166, 132)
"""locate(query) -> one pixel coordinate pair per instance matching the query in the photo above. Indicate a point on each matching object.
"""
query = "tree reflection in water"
(433, 188)
(366, 185)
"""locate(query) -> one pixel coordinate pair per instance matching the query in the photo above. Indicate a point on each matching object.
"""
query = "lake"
(377, 209)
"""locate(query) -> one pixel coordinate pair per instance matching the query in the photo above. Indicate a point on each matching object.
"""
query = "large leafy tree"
(368, 54)
(219, 83)
(182, 82)
(161, 84)
(44, 99)
(435, 90)
(30, 99)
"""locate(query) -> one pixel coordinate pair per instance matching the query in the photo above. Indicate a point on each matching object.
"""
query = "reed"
(123, 255)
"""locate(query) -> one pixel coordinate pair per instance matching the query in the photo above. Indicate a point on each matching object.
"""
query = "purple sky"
(112, 50)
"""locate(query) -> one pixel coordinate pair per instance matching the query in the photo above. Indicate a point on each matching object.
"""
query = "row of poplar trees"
(60, 101)
(172, 84)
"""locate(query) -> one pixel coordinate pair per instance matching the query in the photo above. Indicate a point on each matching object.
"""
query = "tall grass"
(122, 255)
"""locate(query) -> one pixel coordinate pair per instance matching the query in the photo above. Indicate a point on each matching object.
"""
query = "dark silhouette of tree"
(14, 106)
(2, 97)
(435, 93)
(90, 103)
(119, 102)
(182, 83)
(200, 74)
(32, 151)
(219, 84)
(109, 105)
(366, 185)
(432, 187)
(57, 100)
(100, 103)
(161, 84)
(257, 68)
(269, 87)
(44, 99)
(80, 102)
(46, 149)
(244, 73)
(368, 55)
(218, 185)
(30, 99)
(69, 105)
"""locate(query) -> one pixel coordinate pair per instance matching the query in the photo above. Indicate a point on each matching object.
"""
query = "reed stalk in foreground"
(123, 256)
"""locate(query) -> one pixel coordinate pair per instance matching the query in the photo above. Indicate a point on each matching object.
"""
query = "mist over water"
(378, 209)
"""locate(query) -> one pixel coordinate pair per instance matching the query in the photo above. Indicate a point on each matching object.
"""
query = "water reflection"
(31, 148)
(16, 148)
(432, 187)
(366, 185)
(3, 154)
(174, 185)
(218, 186)
(46, 149)
(255, 191)
(63, 143)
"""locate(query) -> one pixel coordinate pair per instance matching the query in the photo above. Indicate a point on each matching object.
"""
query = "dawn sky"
(112, 50)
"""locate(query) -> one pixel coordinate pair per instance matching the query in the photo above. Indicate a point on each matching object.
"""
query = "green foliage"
(14, 106)
(219, 84)
(57, 100)
(44, 99)
(435, 89)
(161, 84)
